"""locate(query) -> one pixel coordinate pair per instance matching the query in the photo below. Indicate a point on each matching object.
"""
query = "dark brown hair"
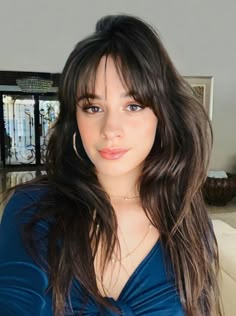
(170, 184)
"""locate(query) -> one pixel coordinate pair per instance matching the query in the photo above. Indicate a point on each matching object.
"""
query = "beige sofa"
(226, 237)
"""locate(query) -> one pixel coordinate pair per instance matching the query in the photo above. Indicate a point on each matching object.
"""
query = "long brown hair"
(170, 184)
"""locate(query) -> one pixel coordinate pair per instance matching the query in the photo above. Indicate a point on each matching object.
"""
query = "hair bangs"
(132, 70)
(134, 75)
(87, 77)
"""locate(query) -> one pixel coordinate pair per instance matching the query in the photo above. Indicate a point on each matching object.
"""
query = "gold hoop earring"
(74, 146)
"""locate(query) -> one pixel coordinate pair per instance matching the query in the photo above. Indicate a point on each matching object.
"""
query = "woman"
(118, 225)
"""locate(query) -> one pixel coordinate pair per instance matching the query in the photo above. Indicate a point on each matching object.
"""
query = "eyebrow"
(95, 96)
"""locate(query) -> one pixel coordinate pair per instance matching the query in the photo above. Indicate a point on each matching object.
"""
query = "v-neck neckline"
(139, 266)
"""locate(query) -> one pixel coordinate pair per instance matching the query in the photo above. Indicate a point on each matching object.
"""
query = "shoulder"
(18, 212)
(24, 198)
(31, 192)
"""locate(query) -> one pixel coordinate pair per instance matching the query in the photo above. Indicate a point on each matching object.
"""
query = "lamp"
(34, 84)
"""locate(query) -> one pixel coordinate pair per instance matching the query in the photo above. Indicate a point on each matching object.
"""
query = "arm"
(22, 282)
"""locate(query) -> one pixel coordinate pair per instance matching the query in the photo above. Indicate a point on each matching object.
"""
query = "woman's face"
(117, 132)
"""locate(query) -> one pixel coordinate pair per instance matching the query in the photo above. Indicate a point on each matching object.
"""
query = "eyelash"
(88, 107)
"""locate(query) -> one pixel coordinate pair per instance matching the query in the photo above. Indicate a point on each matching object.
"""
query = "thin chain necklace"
(115, 258)
(125, 197)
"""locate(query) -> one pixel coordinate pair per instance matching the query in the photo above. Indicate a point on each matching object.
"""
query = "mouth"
(112, 154)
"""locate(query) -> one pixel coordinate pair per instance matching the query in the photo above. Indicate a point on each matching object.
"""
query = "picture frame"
(203, 87)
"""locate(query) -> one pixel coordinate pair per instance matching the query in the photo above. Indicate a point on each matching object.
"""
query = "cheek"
(88, 132)
(149, 130)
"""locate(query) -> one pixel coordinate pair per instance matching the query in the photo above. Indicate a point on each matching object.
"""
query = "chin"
(118, 170)
(112, 172)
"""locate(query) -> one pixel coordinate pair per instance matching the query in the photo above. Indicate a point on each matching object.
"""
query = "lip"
(113, 150)
(112, 153)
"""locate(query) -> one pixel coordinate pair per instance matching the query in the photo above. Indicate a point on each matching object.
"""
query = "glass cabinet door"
(19, 129)
(27, 120)
(48, 112)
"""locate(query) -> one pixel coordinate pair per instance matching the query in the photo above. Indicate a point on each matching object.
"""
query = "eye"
(135, 107)
(91, 109)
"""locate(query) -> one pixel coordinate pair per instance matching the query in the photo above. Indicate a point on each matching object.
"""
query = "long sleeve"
(22, 282)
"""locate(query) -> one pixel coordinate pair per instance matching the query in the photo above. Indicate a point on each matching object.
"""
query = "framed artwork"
(203, 87)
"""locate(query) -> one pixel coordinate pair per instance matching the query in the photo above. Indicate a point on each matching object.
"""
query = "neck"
(124, 186)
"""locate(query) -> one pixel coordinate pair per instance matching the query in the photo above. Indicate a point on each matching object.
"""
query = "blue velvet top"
(22, 282)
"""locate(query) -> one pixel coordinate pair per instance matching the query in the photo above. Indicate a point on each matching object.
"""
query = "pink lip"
(112, 153)
(113, 150)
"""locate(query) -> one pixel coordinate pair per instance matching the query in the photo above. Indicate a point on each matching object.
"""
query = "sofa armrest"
(226, 238)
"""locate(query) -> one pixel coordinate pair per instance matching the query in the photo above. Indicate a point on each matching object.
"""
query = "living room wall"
(39, 35)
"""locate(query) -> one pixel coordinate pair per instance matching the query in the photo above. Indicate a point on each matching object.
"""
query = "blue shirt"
(22, 282)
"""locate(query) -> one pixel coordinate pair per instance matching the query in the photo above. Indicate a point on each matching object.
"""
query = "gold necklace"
(125, 197)
(107, 290)
(115, 258)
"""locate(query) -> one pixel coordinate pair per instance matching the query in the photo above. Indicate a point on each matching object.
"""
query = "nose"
(112, 126)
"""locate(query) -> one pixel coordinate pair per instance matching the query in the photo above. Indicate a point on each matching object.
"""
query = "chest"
(134, 248)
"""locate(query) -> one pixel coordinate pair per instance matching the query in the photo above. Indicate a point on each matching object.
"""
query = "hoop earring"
(74, 146)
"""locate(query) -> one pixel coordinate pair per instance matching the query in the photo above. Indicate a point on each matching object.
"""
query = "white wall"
(199, 36)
